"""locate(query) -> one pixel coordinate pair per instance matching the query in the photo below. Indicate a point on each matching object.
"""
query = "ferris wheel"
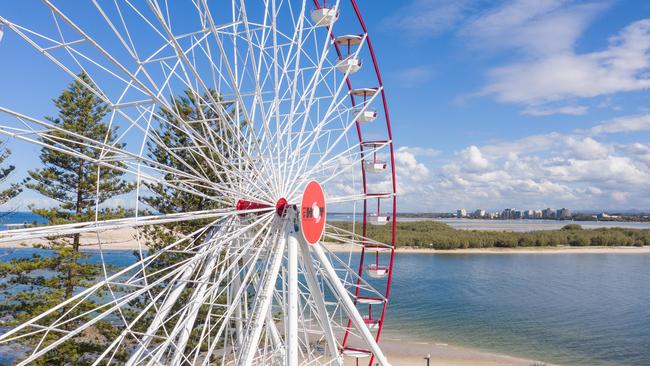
(296, 140)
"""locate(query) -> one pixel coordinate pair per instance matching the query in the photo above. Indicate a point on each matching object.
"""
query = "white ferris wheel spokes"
(274, 109)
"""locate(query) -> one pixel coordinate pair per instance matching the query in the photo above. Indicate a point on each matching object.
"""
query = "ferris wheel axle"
(280, 206)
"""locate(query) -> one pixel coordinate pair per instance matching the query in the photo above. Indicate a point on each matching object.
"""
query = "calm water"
(569, 309)
(531, 225)
(19, 218)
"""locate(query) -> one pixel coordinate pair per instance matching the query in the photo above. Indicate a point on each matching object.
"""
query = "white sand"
(120, 239)
(411, 353)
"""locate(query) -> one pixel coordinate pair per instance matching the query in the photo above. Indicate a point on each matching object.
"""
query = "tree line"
(30, 286)
(437, 235)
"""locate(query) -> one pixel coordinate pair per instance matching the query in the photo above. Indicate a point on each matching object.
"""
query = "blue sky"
(494, 104)
(522, 103)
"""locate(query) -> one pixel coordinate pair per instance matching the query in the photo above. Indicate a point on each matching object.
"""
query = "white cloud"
(471, 159)
(579, 169)
(548, 75)
(553, 77)
(623, 124)
(420, 151)
(545, 110)
(620, 197)
(534, 27)
(429, 17)
(587, 148)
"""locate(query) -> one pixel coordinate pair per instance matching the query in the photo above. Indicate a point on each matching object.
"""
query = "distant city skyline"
(513, 213)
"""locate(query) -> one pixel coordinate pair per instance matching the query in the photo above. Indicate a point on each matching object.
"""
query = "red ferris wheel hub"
(281, 206)
(245, 205)
(312, 212)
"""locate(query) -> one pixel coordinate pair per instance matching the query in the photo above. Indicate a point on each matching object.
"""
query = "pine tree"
(173, 134)
(15, 188)
(47, 280)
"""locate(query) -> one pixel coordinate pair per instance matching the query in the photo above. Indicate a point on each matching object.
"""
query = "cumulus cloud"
(471, 159)
(586, 148)
(420, 151)
(579, 169)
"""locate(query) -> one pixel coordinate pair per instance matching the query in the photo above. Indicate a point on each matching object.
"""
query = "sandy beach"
(120, 239)
(127, 239)
(411, 353)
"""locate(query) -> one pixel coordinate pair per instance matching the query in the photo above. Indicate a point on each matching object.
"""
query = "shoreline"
(409, 352)
(566, 249)
(126, 239)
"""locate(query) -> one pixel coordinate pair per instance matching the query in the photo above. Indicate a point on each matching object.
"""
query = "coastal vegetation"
(170, 135)
(437, 235)
(5, 171)
(48, 279)
(70, 177)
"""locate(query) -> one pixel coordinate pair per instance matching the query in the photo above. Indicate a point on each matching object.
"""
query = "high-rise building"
(563, 213)
(461, 213)
(548, 213)
(479, 213)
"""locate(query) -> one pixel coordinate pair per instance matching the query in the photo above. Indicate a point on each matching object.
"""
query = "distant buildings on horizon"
(513, 214)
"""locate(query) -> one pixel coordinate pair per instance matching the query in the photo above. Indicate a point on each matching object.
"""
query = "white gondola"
(377, 271)
(356, 352)
(324, 16)
(378, 220)
(373, 324)
(370, 249)
(365, 116)
(364, 92)
(370, 300)
(374, 166)
(349, 64)
(348, 40)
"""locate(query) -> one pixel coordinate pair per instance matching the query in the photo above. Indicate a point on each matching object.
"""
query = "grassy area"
(436, 235)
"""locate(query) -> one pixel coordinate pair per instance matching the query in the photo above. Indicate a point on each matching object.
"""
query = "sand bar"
(127, 239)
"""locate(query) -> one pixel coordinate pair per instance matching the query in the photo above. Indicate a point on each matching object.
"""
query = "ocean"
(567, 309)
(19, 217)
